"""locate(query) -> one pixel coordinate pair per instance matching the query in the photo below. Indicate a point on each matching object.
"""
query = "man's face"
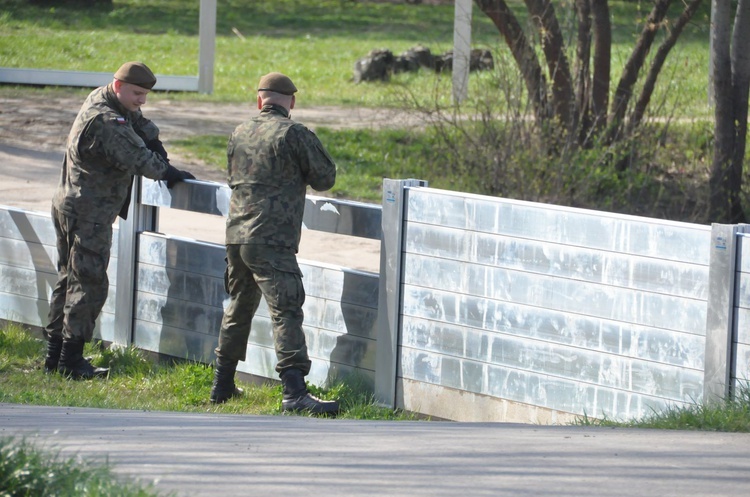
(130, 96)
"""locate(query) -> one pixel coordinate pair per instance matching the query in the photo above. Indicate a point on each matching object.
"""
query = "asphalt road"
(233, 455)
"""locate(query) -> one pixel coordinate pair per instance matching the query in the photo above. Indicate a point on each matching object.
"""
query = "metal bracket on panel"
(389, 299)
(720, 312)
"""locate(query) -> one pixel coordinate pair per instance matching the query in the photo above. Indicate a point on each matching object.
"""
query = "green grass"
(27, 470)
(731, 415)
(316, 42)
(139, 384)
(363, 157)
(135, 382)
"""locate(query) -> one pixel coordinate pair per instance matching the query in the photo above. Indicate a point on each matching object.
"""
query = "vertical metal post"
(461, 49)
(207, 48)
(720, 313)
(140, 218)
(389, 295)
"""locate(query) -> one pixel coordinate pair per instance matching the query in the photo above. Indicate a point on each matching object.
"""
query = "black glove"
(156, 146)
(174, 176)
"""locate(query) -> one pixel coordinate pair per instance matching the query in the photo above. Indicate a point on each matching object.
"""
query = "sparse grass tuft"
(730, 415)
(26, 470)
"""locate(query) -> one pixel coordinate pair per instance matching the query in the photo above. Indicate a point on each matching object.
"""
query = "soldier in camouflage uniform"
(271, 161)
(110, 142)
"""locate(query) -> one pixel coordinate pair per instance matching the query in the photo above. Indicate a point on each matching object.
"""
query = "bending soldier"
(110, 142)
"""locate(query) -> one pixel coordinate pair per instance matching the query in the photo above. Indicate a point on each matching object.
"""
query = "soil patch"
(34, 129)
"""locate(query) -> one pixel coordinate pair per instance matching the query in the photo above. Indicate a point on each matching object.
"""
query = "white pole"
(461, 49)
(207, 37)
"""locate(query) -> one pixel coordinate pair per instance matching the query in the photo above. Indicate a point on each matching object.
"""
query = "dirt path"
(41, 122)
(34, 127)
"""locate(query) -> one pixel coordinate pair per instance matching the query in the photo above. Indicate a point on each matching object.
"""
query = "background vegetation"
(317, 44)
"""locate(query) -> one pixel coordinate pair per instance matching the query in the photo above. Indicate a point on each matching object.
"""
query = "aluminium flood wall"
(548, 310)
(484, 309)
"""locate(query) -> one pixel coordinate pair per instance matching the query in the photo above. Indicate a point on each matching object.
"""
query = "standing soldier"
(110, 142)
(270, 160)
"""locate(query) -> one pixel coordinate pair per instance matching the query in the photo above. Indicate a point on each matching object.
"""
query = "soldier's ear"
(260, 102)
(291, 105)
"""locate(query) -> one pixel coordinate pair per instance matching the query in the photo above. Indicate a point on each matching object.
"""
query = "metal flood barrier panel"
(550, 311)
(28, 271)
(484, 309)
(180, 295)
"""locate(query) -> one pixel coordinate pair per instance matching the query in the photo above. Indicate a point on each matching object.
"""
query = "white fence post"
(207, 48)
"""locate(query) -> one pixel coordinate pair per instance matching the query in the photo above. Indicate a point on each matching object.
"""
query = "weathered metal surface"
(18, 253)
(530, 387)
(641, 236)
(572, 310)
(28, 270)
(32, 227)
(181, 289)
(549, 292)
(575, 363)
(559, 260)
(555, 308)
(330, 215)
(459, 334)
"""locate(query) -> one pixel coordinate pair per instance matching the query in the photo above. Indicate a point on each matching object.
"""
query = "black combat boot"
(54, 346)
(74, 365)
(223, 387)
(296, 398)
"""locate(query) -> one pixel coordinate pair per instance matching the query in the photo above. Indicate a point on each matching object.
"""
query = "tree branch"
(659, 58)
(503, 18)
(553, 46)
(633, 65)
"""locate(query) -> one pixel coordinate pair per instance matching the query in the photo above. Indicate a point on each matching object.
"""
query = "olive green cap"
(277, 82)
(136, 73)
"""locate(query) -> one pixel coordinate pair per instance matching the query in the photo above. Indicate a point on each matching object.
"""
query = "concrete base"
(457, 405)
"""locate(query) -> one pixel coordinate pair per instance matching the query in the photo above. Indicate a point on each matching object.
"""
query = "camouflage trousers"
(261, 270)
(80, 292)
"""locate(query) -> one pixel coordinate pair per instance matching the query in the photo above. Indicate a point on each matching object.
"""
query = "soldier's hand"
(174, 176)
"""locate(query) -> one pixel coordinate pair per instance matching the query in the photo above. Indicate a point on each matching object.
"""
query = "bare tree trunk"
(633, 66)
(602, 64)
(503, 18)
(583, 76)
(553, 46)
(740, 88)
(725, 181)
(659, 58)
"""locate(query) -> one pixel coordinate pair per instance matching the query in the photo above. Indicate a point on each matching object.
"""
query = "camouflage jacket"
(270, 162)
(106, 147)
